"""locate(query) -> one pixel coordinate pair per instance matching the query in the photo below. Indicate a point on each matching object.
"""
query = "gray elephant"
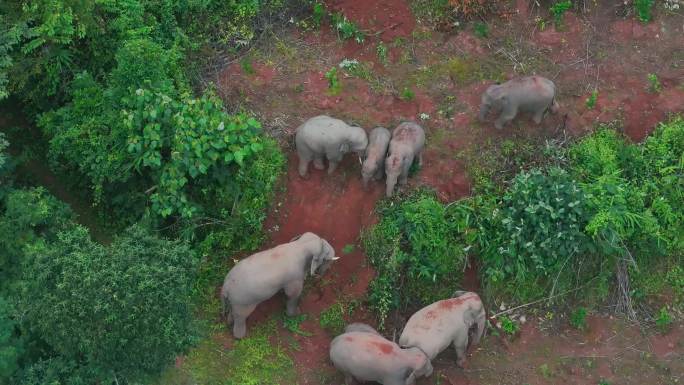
(367, 356)
(533, 94)
(373, 164)
(457, 320)
(323, 136)
(261, 275)
(407, 143)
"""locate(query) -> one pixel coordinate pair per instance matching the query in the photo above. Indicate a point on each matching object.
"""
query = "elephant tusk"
(335, 258)
(360, 161)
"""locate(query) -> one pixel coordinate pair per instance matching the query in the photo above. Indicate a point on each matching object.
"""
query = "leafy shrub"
(559, 9)
(346, 29)
(382, 52)
(334, 86)
(407, 94)
(654, 83)
(591, 100)
(27, 217)
(509, 326)
(534, 240)
(136, 289)
(663, 319)
(416, 252)
(578, 318)
(481, 30)
(644, 9)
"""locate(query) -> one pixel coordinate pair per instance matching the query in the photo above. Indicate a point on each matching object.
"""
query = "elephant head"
(356, 141)
(322, 260)
(420, 368)
(492, 98)
(393, 168)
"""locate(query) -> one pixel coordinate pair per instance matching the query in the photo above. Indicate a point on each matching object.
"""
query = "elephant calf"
(362, 353)
(261, 275)
(435, 326)
(407, 143)
(373, 164)
(533, 94)
(323, 136)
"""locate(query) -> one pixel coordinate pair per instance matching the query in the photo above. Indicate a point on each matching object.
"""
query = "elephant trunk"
(391, 181)
(365, 180)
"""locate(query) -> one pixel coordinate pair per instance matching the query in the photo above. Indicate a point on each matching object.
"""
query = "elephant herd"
(325, 137)
(361, 352)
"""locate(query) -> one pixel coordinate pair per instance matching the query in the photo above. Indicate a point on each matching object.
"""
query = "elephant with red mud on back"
(457, 321)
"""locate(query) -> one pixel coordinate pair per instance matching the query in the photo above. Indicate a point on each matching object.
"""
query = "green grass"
(254, 360)
(347, 249)
(332, 318)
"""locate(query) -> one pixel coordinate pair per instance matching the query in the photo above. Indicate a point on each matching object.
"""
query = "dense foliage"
(417, 253)
(76, 312)
(120, 310)
(601, 207)
(535, 235)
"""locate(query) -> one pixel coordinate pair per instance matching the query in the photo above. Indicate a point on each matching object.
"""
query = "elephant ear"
(344, 147)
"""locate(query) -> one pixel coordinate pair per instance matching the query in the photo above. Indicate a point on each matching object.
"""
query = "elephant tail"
(225, 304)
(555, 107)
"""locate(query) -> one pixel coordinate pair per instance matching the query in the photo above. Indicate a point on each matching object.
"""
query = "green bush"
(558, 10)
(534, 241)
(644, 9)
(11, 344)
(416, 252)
(118, 311)
(26, 217)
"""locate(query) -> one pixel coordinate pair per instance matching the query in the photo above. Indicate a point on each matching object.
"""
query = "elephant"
(533, 94)
(360, 327)
(458, 320)
(365, 355)
(407, 143)
(261, 275)
(323, 136)
(372, 167)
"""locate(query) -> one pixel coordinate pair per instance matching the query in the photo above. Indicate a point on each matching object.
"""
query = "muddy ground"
(283, 80)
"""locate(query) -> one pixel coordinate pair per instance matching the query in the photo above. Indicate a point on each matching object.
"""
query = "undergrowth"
(417, 252)
(254, 360)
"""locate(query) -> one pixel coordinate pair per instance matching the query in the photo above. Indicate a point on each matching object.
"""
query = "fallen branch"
(393, 26)
(540, 300)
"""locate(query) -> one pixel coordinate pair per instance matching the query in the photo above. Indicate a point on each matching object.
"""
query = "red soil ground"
(595, 50)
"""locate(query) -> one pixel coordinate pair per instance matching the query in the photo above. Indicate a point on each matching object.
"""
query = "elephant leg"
(539, 116)
(378, 174)
(240, 314)
(303, 166)
(293, 290)
(505, 117)
(318, 162)
(461, 345)
(420, 158)
(348, 379)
